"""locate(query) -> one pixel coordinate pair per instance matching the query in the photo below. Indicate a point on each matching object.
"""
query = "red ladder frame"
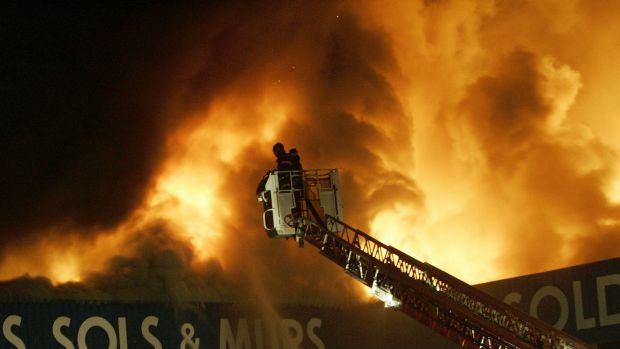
(444, 303)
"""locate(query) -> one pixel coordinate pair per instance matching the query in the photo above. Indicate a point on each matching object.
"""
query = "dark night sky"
(83, 110)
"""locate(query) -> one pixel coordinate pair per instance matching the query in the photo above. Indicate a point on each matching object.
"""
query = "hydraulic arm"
(450, 306)
(306, 205)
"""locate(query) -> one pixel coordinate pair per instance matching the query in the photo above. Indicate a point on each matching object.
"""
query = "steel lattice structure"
(446, 304)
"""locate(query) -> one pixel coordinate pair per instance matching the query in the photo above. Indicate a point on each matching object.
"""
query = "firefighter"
(283, 159)
(295, 160)
(290, 180)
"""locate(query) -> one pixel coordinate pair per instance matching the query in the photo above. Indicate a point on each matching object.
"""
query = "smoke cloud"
(479, 137)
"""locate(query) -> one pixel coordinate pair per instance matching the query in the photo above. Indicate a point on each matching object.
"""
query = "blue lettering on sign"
(67, 325)
(583, 301)
(286, 333)
(600, 317)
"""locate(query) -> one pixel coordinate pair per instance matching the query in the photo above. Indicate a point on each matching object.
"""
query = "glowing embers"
(613, 192)
(65, 269)
(194, 190)
(189, 198)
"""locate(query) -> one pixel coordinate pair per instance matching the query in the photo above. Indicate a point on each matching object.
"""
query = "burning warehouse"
(479, 136)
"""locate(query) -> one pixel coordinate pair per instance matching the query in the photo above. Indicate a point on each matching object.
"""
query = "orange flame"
(504, 122)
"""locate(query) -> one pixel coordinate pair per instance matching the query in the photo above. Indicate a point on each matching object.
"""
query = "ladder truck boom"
(306, 205)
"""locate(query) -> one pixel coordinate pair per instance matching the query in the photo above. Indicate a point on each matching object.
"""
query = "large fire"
(478, 136)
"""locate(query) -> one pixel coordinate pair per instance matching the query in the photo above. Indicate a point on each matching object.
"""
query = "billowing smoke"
(479, 137)
(544, 176)
(513, 143)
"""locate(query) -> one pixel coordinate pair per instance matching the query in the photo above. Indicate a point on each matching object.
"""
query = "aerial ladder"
(306, 206)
